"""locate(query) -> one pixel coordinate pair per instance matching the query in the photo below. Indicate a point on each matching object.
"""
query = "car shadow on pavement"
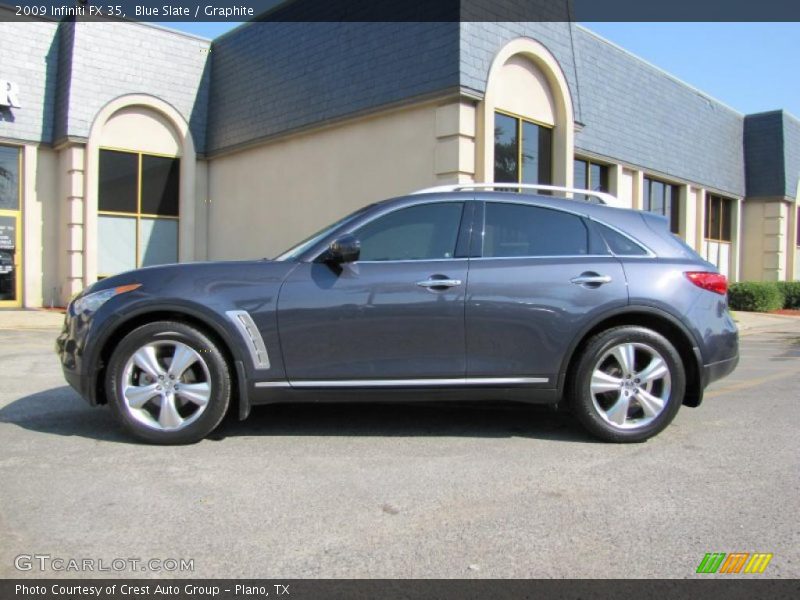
(407, 419)
(60, 411)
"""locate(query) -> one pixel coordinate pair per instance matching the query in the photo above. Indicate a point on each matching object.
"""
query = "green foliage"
(791, 293)
(755, 296)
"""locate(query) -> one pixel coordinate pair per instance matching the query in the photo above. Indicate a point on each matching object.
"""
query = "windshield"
(295, 251)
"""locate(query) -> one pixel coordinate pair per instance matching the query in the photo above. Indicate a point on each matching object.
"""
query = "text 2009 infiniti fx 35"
(456, 294)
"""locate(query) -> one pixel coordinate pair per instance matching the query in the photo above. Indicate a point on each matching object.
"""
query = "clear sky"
(751, 67)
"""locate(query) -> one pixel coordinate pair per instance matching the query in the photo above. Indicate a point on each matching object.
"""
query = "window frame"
(722, 202)
(519, 121)
(675, 201)
(139, 215)
(589, 164)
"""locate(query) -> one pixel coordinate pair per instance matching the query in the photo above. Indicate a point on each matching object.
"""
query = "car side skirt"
(519, 393)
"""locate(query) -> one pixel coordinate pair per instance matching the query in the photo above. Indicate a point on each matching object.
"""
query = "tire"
(617, 403)
(161, 404)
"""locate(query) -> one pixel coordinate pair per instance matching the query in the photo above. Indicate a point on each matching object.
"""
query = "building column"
(454, 159)
(72, 193)
(775, 225)
(700, 218)
(687, 214)
(31, 231)
(792, 250)
(638, 190)
(736, 241)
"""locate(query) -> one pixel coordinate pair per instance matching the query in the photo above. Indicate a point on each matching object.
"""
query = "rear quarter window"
(619, 244)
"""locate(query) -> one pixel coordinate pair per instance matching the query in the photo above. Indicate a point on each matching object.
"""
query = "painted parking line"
(748, 383)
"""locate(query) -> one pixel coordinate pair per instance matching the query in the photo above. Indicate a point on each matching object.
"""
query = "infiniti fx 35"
(476, 295)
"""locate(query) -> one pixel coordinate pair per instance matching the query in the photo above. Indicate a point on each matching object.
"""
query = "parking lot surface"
(404, 490)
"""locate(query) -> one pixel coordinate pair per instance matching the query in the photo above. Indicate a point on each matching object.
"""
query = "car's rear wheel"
(628, 384)
(168, 383)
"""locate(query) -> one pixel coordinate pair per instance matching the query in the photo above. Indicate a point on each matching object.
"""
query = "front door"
(396, 315)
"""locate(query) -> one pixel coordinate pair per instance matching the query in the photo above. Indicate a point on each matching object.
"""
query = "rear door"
(393, 317)
(542, 275)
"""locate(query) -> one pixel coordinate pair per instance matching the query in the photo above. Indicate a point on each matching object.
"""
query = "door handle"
(439, 283)
(592, 279)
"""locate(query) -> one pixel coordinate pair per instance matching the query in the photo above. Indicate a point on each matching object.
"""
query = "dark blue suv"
(457, 294)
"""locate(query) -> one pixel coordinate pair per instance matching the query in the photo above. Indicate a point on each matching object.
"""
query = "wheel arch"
(659, 321)
(183, 314)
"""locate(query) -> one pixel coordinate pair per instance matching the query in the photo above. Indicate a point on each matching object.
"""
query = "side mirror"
(345, 249)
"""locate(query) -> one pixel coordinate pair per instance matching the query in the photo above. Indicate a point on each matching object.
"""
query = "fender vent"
(252, 338)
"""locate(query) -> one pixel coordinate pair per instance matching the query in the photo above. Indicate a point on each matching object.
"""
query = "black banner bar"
(404, 11)
(730, 588)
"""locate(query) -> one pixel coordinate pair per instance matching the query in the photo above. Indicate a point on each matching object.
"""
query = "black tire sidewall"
(581, 399)
(165, 331)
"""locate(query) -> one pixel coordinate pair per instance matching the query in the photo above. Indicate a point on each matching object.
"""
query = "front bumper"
(70, 348)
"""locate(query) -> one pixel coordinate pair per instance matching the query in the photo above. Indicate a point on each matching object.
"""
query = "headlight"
(91, 302)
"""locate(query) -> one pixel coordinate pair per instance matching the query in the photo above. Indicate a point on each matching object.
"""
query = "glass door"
(10, 253)
(10, 227)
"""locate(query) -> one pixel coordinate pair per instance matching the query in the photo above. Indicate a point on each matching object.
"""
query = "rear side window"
(619, 244)
(520, 230)
(423, 232)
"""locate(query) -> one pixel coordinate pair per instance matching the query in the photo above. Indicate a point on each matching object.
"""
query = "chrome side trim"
(251, 336)
(384, 383)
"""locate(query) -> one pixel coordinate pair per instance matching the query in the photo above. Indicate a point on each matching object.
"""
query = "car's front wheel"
(628, 384)
(168, 383)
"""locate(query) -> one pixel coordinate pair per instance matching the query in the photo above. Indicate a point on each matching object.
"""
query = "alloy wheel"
(630, 385)
(166, 385)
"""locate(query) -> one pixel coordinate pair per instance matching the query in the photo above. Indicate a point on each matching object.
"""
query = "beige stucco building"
(238, 147)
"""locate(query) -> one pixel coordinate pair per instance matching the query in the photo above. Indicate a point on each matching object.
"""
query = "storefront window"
(9, 224)
(523, 151)
(138, 203)
(719, 216)
(662, 198)
(590, 176)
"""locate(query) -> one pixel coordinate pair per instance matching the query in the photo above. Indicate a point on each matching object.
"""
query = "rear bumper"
(720, 369)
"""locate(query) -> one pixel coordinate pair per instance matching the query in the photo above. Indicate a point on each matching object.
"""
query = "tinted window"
(160, 178)
(536, 153)
(118, 181)
(518, 230)
(506, 149)
(663, 199)
(619, 244)
(424, 232)
(9, 178)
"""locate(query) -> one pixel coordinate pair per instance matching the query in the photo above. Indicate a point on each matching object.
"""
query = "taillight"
(713, 282)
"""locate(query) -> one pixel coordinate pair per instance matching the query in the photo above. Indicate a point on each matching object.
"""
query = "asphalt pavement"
(400, 491)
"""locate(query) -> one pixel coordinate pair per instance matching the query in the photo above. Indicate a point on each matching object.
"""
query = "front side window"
(523, 151)
(423, 232)
(719, 216)
(138, 199)
(516, 230)
(661, 198)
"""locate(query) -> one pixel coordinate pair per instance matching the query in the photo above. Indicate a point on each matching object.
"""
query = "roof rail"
(605, 198)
